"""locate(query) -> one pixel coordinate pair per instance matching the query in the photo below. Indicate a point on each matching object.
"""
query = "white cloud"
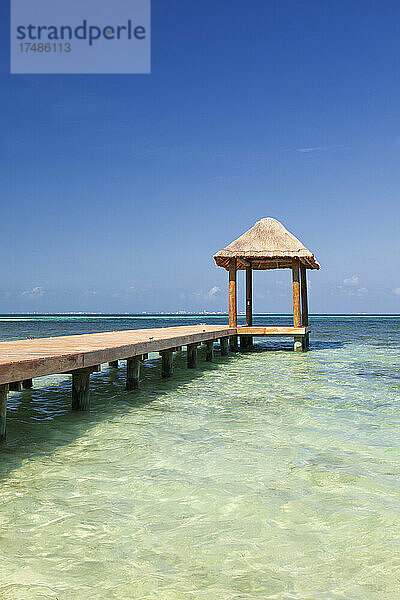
(91, 293)
(263, 295)
(396, 291)
(36, 292)
(311, 149)
(308, 149)
(214, 291)
(351, 281)
(359, 292)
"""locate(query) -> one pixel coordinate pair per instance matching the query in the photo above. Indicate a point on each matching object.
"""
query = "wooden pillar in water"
(298, 343)
(167, 367)
(133, 373)
(209, 351)
(113, 364)
(15, 386)
(233, 343)
(224, 342)
(245, 341)
(3, 411)
(27, 384)
(192, 356)
(80, 389)
(304, 304)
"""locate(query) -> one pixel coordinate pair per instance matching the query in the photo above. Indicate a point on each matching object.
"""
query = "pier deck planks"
(255, 330)
(27, 359)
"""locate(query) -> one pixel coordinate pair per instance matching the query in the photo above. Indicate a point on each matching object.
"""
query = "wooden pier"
(80, 355)
(267, 245)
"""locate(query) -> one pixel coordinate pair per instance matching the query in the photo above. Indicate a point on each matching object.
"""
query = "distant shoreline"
(186, 314)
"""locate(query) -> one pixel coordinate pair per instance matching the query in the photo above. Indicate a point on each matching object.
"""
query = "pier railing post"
(133, 373)
(192, 356)
(3, 411)
(167, 365)
(80, 389)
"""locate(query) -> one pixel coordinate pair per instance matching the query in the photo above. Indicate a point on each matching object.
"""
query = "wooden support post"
(27, 384)
(224, 342)
(249, 296)
(133, 373)
(192, 356)
(113, 364)
(209, 351)
(305, 342)
(246, 341)
(80, 389)
(15, 386)
(304, 299)
(298, 343)
(232, 293)
(167, 366)
(144, 357)
(304, 305)
(296, 294)
(3, 411)
(233, 343)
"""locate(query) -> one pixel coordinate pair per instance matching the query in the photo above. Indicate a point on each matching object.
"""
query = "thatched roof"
(267, 245)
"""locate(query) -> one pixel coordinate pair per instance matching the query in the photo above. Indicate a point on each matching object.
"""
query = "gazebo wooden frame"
(268, 245)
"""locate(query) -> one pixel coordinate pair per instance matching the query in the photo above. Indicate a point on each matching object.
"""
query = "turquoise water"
(265, 475)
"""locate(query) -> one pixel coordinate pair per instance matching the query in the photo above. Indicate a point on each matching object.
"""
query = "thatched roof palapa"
(267, 245)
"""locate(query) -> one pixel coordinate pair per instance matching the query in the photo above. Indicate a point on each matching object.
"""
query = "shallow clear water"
(267, 474)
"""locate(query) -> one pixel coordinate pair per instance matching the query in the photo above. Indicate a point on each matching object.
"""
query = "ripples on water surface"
(263, 475)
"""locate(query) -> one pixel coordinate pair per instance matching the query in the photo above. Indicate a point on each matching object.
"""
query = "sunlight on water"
(264, 475)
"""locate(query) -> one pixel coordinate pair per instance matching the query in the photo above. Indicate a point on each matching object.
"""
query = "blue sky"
(116, 190)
